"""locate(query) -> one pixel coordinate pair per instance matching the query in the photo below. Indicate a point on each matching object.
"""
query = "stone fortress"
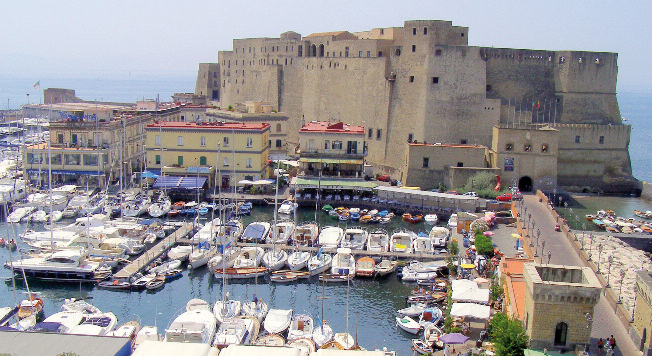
(422, 82)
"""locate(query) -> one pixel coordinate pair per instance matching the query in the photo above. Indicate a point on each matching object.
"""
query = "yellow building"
(642, 323)
(222, 152)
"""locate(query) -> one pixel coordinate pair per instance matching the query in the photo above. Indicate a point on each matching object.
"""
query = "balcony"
(331, 153)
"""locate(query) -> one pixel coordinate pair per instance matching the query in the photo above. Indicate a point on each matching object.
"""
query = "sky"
(169, 38)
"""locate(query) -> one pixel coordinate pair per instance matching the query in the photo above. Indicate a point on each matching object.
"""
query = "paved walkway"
(605, 322)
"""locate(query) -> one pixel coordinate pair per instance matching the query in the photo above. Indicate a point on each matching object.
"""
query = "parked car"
(471, 194)
(454, 192)
(385, 178)
(504, 197)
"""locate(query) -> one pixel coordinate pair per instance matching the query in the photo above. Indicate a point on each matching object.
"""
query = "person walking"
(600, 346)
(612, 342)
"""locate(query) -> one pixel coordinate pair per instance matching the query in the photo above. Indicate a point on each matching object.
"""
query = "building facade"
(642, 322)
(424, 81)
(223, 152)
(336, 149)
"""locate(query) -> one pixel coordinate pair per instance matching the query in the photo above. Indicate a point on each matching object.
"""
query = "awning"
(302, 183)
(331, 160)
(471, 310)
(148, 174)
(263, 182)
(245, 182)
(173, 182)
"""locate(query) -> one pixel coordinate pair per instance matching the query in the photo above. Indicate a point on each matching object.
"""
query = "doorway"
(525, 184)
(560, 334)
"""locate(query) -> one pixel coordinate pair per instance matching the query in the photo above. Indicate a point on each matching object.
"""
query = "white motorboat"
(343, 262)
(431, 219)
(226, 308)
(301, 327)
(430, 315)
(20, 213)
(64, 321)
(408, 324)
(354, 238)
(161, 207)
(306, 346)
(298, 260)
(378, 241)
(180, 252)
(143, 281)
(15, 191)
(201, 254)
(208, 232)
(401, 241)
(281, 233)
(287, 207)
(250, 256)
(277, 320)
(224, 260)
(439, 236)
(322, 333)
(306, 234)
(385, 267)
(126, 330)
(79, 305)
(167, 266)
(257, 309)
(235, 331)
(345, 340)
(432, 266)
(410, 275)
(422, 244)
(452, 221)
(275, 259)
(413, 310)
(94, 205)
(256, 232)
(39, 216)
(431, 334)
(55, 216)
(136, 207)
(196, 325)
(330, 236)
(319, 263)
(95, 325)
(66, 265)
(146, 333)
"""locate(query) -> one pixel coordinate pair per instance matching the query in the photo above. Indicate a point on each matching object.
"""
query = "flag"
(37, 85)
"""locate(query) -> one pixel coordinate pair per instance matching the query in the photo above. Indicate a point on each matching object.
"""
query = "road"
(605, 322)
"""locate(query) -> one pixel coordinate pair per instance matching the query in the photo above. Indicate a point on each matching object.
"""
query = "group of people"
(609, 345)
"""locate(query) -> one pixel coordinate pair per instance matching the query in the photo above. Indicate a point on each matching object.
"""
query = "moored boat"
(364, 267)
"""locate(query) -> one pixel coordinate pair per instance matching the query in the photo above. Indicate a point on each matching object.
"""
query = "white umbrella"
(245, 182)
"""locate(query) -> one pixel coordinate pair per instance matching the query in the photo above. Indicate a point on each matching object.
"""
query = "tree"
(508, 335)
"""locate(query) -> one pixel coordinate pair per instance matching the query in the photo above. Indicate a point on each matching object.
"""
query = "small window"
(180, 160)
(410, 137)
(425, 30)
(226, 161)
(278, 127)
(202, 160)
(380, 53)
(489, 88)
(601, 140)
(157, 159)
(379, 134)
(279, 143)
(426, 162)
(180, 141)
(577, 139)
(202, 141)
(157, 140)
(370, 133)
(248, 162)
(463, 142)
(435, 80)
(509, 147)
(527, 148)
(250, 142)
(414, 48)
(368, 54)
(327, 144)
(337, 145)
(226, 142)
(460, 164)
(438, 52)
(414, 31)
(544, 148)
(411, 79)
(462, 34)
(562, 59)
(398, 52)
(360, 54)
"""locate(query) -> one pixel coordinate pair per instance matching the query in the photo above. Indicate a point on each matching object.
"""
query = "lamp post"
(590, 245)
(549, 256)
(610, 260)
(554, 197)
(634, 306)
(589, 321)
(620, 289)
(543, 247)
(583, 227)
(599, 254)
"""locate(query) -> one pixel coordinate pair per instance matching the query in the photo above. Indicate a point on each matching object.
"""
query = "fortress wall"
(519, 73)
(208, 80)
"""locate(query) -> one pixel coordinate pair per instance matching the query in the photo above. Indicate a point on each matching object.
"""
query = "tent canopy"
(471, 310)
(174, 182)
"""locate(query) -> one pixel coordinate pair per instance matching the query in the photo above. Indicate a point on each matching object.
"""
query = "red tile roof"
(339, 127)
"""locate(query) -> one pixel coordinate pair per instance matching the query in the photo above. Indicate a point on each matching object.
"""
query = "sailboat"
(322, 333)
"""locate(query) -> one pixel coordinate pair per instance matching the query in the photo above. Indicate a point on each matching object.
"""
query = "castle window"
(527, 148)
(438, 52)
(346, 51)
(286, 61)
(300, 54)
(414, 48)
(462, 34)
(360, 54)
(368, 54)
(398, 52)
(414, 31)
(382, 31)
(425, 30)
(272, 48)
(379, 134)
(489, 88)
(577, 139)
(544, 148)
(410, 137)
(463, 141)
(460, 164)
(562, 59)
(411, 79)
(435, 80)
(426, 162)
(509, 147)
(370, 133)
(601, 140)
(380, 53)
(249, 49)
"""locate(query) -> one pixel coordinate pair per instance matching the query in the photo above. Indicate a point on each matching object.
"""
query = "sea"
(364, 308)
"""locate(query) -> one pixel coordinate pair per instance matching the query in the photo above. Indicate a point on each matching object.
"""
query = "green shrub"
(483, 245)
(508, 335)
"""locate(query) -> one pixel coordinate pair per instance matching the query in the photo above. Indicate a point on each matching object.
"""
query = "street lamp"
(599, 254)
(620, 289)
(590, 245)
(543, 247)
(549, 256)
(634, 306)
(554, 197)
(583, 227)
(610, 260)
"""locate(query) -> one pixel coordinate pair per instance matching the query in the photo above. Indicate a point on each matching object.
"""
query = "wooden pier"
(153, 252)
